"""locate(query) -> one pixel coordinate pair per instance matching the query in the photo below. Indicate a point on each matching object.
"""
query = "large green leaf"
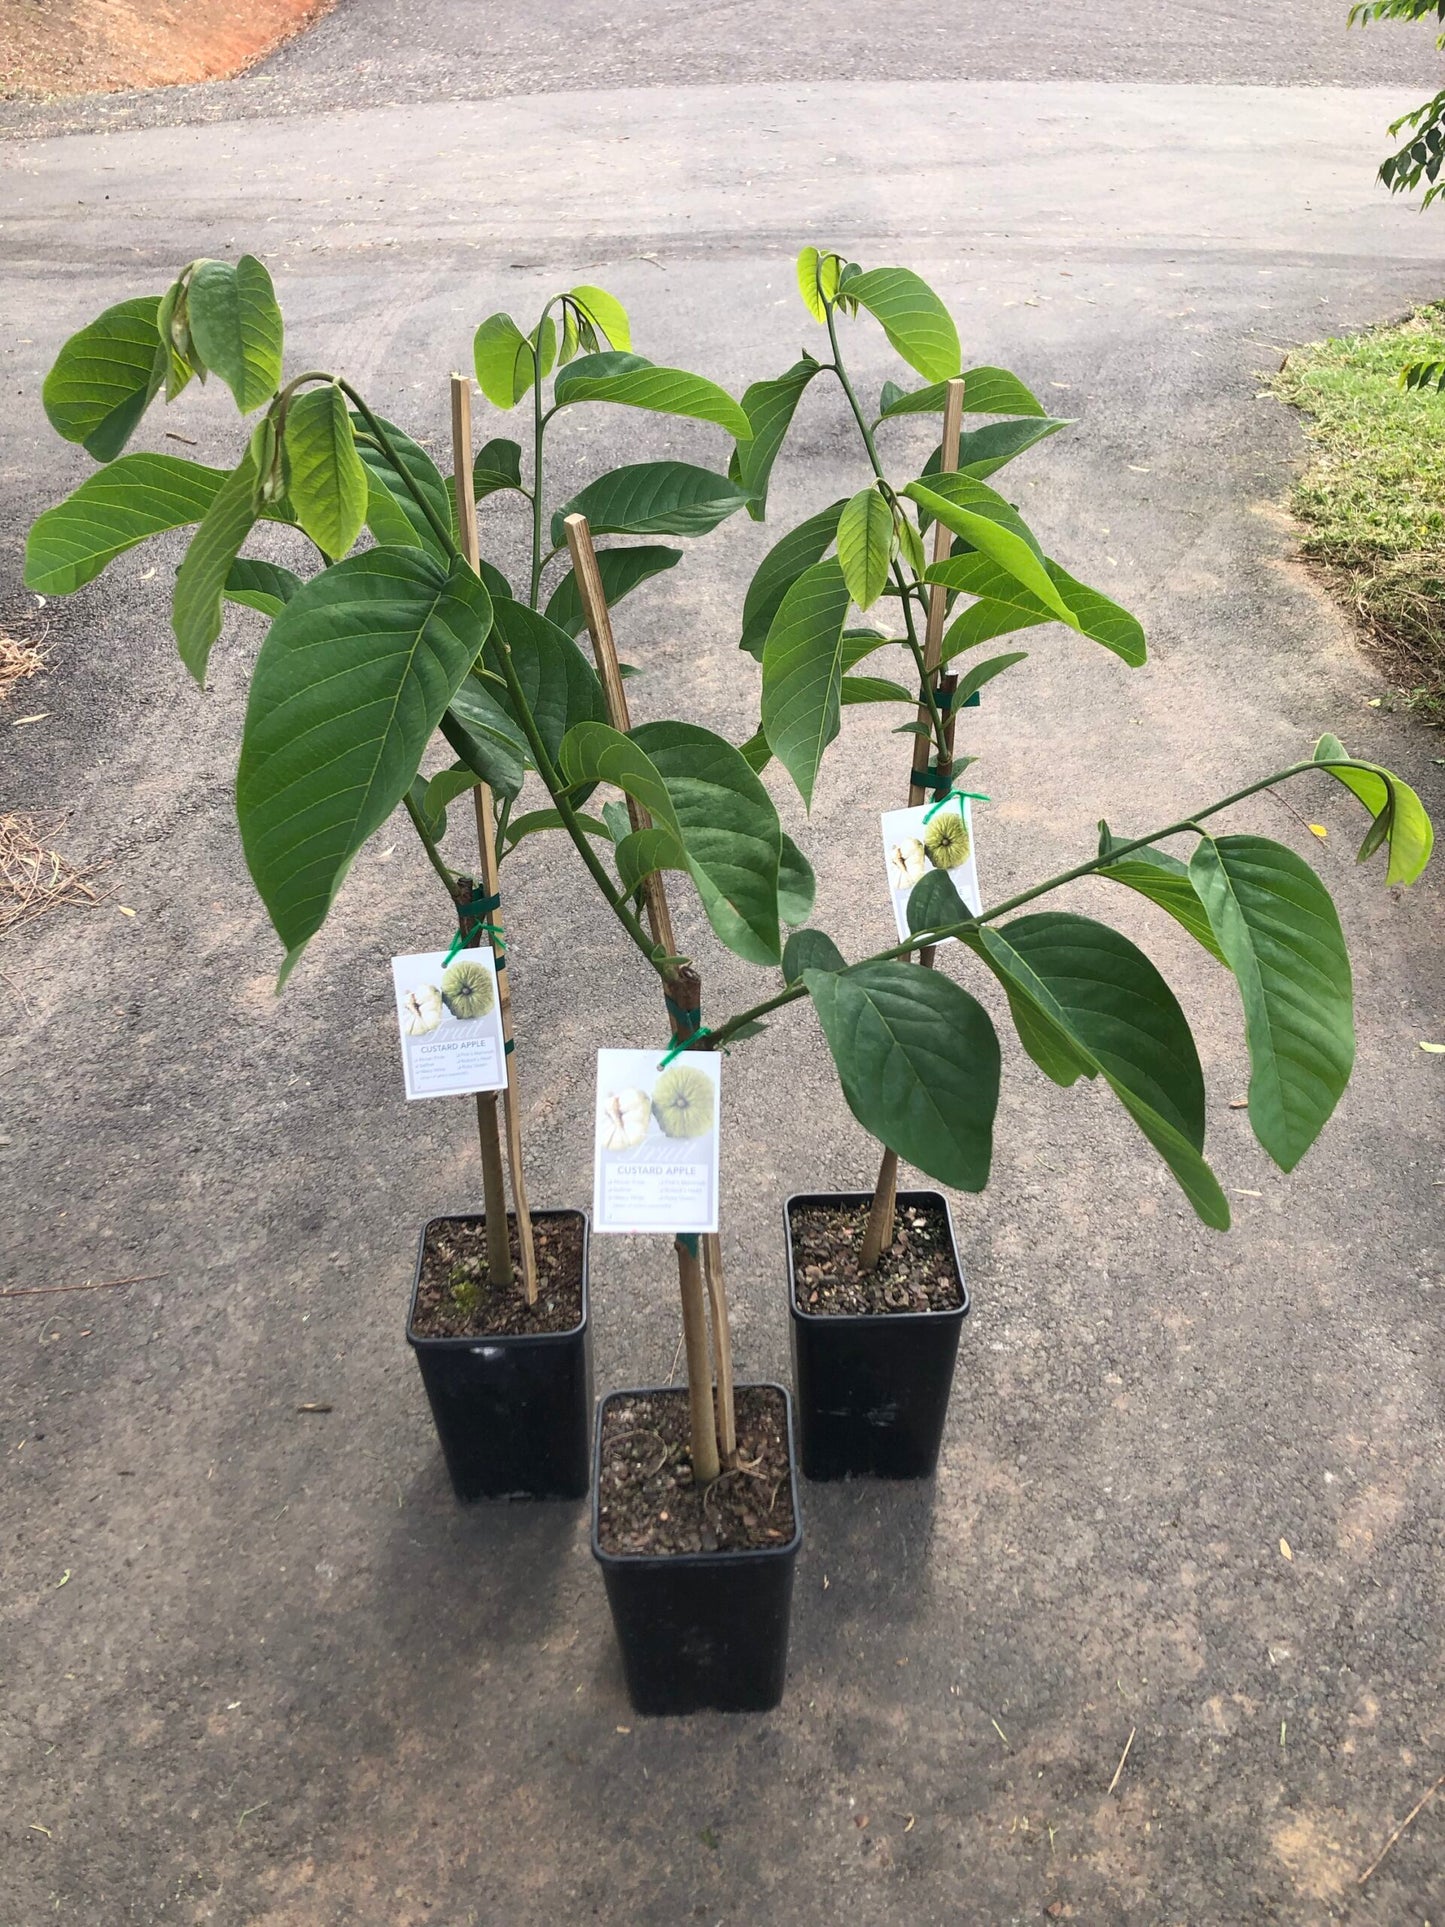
(498, 466)
(256, 584)
(810, 950)
(1280, 934)
(236, 326)
(803, 672)
(797, 886)
(984, 519)
(105, 376)
(780, 569)
(328, 485)
(621, 571)
(729, 829)
(699, 790)
(1005, 605)
(874, 689)
(769, 406)
(485, 738)
(605, 312)
(652, 498)
(918, 1061)
(559, 684)
(982, 450)
(865, 546)
(986, 391)
(1398, 812)
(113, 509)
(196, 607)
(1086, 1001)
(1164, 880)
(353, 678)
(639, 384)
(502, 357)
(391, 508)
(913, 318)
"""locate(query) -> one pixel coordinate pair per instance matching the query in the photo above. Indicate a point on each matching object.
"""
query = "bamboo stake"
(879, 1234)
(699, 1266)
(499, 1254)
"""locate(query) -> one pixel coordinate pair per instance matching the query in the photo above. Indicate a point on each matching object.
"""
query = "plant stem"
(842, 373)
(439, 528)
(434, 855)
(716, 1039)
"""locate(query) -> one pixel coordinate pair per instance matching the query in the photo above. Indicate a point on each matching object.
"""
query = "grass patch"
(1371, 503)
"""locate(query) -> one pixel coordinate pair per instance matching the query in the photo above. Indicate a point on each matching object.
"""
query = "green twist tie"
(679, 1044)
(465, 938)
(954, 796)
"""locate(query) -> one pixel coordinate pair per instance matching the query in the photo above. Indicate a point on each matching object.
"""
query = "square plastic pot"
(513, 1413)
(701, 1630)
(872, 1388)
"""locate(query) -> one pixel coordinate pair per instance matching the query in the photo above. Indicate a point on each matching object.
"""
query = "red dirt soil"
(97, 46)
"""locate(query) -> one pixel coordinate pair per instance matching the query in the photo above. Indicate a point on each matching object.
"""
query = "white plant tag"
(451, 1023)
(913, 847)
(656, 1134)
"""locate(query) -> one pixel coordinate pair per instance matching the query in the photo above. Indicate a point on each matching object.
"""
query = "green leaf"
(986, 520)
(617, 820)
(1407, 826)
(621, 570)
(726, 822)
(642, 852)
(1005, 605)
(606, 313)
(769, 406)
(865, 546)
(1164, 880)
(803, 672)
(260, 585)
(432, 812)
(797, 886)
(183, 358)
(1086, 1001)
(391, 509)
(105, 377)
(498, 466)
(986, 391)
(444, 788)
(983, 673)
(918, 1061)
(652, 498)
(328, 485)
(1281, 936)
(664, 391)
(196, 607)
(236, 326)
(983, 450)
(934, 904)
(818, 281)
(536, 821)
(558, 682)
(755, 753)
(113, 509)
(485, 738)
(356, 673)
(545, 335)
(915, 321)
(874, 689)
(502, 357)
(780, 569)
(810, 950)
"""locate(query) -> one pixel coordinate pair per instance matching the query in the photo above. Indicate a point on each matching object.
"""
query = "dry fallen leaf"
(125, 910)
(1319, 829)
(1438, 1049)
(1284, 1548)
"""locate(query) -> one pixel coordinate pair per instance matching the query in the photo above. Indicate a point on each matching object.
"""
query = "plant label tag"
(451, 1023)
(656, 1135)
(913, 847)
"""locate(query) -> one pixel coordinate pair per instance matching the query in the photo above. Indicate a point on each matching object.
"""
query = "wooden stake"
(699, 1265)
(499, 1255)
(881, 1215)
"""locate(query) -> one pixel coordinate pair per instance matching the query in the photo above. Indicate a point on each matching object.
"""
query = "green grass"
(1371, 503)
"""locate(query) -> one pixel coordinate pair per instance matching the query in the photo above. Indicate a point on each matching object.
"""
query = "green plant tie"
(465, 936)
(688, 1241)
(930, 779)
(954, 795)
(680, 1044)
(949, 699)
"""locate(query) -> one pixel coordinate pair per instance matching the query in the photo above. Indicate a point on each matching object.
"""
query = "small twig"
(107, 1284)
(644, 1432)
(1418, 1807)
(1122, 1757)
(172, 436)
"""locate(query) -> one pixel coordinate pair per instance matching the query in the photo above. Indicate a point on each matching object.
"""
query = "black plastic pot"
(513, 1413)
(872, 1389)
(702, 1629)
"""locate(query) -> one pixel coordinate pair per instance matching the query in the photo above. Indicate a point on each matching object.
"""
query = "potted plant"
(877, 1300)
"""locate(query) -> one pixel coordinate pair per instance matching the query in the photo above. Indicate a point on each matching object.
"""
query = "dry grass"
(33, 878)
(19, 661)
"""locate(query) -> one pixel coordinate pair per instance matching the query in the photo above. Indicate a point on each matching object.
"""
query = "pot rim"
(671, 1561)
(468, 1341)
(867, 1320)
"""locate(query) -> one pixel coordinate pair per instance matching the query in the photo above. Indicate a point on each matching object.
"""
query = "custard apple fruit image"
(624, 1119)
(946, 840)
(682, 1101)
(467, 989)
(421, 1010)
(906, 864)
